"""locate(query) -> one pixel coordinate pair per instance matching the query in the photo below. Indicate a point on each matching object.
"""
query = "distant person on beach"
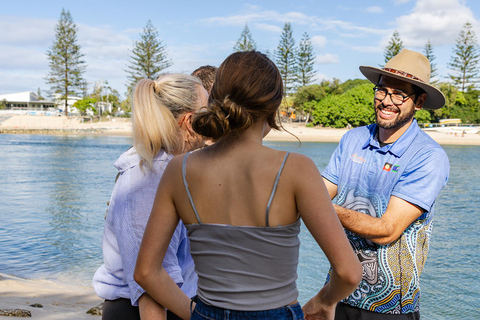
(241, 203)
(386, 177)
(162, 127)
(206, 74)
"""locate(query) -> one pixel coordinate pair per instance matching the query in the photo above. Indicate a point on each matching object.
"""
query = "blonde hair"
(156, 107)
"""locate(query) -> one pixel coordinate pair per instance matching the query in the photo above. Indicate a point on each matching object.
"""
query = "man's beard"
(398, 122)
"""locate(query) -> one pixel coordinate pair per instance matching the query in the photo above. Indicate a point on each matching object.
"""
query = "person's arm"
(331, 188)
(316, 210)
(150, 309)
(149, 272)
(384, 230)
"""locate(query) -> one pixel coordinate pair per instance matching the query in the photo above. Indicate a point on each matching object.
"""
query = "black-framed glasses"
(397, 98)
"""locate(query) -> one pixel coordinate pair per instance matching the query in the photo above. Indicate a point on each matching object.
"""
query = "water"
(53, 196)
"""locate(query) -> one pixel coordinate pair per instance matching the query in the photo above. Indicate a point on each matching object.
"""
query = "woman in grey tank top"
(241, 203)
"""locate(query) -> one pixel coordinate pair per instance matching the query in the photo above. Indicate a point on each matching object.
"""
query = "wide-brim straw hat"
(412, 67)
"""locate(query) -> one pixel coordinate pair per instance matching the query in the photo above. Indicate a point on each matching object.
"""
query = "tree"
(428, 52)
(286, 58)
(395, 45)
(39, 94)
(84, 104)
(65, 60)
(464, 61)
(306, 59)
(149, 57)
(245, 42)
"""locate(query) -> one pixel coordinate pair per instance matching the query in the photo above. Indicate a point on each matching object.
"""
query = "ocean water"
(54, 190)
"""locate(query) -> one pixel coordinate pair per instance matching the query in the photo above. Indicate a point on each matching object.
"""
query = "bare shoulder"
(300, 161)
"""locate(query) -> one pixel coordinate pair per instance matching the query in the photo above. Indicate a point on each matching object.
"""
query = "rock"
(20, 313)
(36, 305)
(96, 311)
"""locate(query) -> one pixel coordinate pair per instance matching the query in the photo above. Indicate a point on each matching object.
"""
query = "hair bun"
(222, 118)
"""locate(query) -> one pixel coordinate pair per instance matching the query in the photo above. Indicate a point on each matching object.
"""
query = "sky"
(345, 33)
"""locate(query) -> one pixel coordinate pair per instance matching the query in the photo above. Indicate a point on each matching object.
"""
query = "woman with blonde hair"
(241, 203)
(162, 115)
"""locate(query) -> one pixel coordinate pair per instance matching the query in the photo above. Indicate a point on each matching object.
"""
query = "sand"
(122, 126)
(59, 301)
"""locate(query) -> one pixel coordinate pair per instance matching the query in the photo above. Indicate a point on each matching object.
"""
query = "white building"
(27, 103)
(60, 103)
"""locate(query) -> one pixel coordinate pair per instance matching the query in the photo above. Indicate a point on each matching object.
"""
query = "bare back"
(233, 185)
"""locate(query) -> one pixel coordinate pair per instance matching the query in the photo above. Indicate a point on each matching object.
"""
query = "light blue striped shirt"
(130, 206)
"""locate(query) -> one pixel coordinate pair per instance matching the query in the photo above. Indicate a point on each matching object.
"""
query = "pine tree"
(428, 52)
(395, 45)
(245, 42)
(286, 59)
(306, 59)
(65, 60)
(465, 60)
(149, 57)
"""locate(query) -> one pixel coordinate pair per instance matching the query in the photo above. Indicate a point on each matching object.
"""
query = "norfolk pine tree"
(464, 62)
(395, 45)
(428, 52)
(245, 42)
(286, 58)
(65, 60)
(149, 57)
(306, 59)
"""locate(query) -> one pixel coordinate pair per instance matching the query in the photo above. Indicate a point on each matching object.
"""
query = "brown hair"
(247, 87)
(206, 74)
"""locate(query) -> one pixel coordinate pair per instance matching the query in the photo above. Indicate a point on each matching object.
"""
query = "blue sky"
(345, 33)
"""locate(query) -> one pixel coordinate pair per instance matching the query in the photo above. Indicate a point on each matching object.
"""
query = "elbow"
(140, 275)
(352, 275)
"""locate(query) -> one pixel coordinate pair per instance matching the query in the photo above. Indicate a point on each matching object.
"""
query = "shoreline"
(24, 124)
(58, 300)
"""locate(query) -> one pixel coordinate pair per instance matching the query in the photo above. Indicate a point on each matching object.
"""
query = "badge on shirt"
(387, 166)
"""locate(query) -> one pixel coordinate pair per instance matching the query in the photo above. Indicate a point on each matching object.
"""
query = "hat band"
(402, 73)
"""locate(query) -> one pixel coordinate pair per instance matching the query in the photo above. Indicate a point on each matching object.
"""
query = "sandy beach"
(69, 301)
(59, 301)
(121, 126)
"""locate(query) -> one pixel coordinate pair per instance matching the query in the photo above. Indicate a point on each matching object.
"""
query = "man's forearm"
(364, 225)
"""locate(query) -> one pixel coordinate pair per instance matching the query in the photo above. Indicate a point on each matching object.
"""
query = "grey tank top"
(245, 268)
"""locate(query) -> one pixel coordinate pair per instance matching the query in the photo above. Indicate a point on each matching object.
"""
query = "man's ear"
(420, 101)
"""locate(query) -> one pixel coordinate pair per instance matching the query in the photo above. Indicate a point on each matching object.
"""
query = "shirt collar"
(397, 148)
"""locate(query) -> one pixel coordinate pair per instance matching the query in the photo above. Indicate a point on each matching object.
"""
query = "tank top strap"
(275, 187)
(185, 183)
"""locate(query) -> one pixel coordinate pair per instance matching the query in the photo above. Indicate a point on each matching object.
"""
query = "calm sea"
(54, 190)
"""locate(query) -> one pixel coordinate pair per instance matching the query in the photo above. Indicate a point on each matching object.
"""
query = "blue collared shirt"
(128, 212)
(414, 168)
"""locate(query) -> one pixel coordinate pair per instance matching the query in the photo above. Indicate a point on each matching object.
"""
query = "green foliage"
(3, 104)
(465, 59)
(428, 52)
(65, 60)
(461, 105)
(245, 42)
(84, 104)
(149, 57)
(423, 116)
(314, 92)
(395, 45)
(306, 59)
(350, 84)
(353, 107)
(286, 59)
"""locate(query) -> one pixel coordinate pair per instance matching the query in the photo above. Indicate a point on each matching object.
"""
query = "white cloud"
(437, 20)
(319, 41)
(26, 31)
(327, 58)
(268, 27)
(374, 9)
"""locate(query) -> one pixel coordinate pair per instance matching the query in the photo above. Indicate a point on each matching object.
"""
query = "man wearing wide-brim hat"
(386, 177)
